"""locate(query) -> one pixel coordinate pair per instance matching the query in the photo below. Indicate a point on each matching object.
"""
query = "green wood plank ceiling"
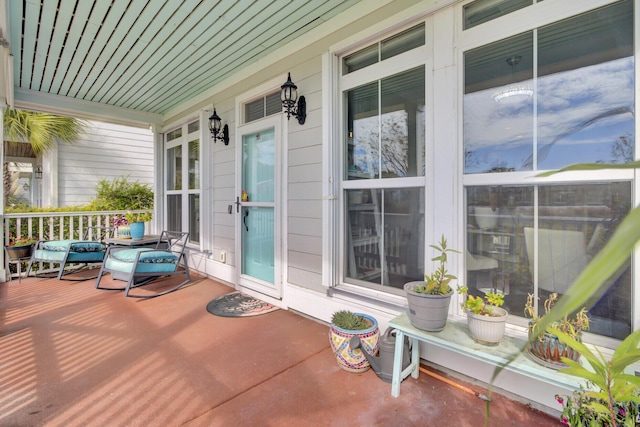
(148, 55)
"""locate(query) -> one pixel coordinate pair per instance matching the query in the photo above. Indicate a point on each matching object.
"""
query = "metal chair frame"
(97, 233)
(173, 242)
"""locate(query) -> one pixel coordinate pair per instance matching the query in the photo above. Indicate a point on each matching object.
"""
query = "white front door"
(258, 214)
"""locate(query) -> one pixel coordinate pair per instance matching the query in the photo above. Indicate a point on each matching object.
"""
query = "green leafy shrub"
(121, 194)
(132, 217)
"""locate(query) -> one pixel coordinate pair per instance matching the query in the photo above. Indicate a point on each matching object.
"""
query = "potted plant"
(20, 247)
(344, 325)
(610, 395)
(136, 222)
(121, 223)
(485, 316)
(429, 300)
(546, 348)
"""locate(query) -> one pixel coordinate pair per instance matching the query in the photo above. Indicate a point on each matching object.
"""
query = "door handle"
(244, 219)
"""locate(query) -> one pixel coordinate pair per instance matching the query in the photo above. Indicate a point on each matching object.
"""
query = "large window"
(183, 189)
(383, 149)
(557, 95)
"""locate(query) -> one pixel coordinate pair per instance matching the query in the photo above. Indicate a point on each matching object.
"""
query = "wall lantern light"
(289, 96)
(218, 132)
(38, 172)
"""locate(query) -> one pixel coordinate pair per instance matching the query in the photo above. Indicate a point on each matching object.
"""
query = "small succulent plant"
(346, 319)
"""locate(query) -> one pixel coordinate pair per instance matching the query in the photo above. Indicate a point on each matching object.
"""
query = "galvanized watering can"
(382, 365)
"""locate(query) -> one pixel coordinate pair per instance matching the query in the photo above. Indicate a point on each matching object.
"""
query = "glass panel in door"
(258, 197)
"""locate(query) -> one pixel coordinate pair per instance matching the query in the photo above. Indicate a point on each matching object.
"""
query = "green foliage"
(132, 217)
(437, 283)
(593, 280)
(478, 305)
(121, 194)
(610, 396)
(346, 319)
(23, 241)
(41, 130)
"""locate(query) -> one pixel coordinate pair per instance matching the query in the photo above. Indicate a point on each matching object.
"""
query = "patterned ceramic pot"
(548, 351)
(124, 232)
(353, 360)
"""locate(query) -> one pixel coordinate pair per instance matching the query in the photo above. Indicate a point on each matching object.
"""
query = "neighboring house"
(424, 118)
(71, 171)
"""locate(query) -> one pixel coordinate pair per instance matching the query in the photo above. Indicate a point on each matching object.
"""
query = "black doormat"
(237, 304)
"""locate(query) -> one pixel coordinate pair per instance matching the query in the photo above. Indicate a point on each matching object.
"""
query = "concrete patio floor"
(71, 355)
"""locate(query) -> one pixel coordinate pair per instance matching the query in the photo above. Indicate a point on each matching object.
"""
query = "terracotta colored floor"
(71, 355)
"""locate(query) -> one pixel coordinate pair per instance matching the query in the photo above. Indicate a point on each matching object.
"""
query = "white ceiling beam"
(62, 105)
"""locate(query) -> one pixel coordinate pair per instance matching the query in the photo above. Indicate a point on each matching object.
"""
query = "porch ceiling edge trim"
(354, 13)
(45, 102)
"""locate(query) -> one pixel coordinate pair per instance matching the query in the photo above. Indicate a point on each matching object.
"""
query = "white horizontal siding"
(104, 151)
(304, 183)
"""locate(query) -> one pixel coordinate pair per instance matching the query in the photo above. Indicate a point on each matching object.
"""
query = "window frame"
(529, 19)
(417, 57)
(185, 192)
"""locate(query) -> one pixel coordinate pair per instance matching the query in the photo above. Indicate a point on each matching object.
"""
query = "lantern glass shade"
(38, 172)
(289, 92)
(215, 123)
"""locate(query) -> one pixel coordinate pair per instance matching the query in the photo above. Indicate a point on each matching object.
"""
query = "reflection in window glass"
(385, 239)
(194, 164)
(193, 126)
(360, 59)
(590, 85)
(387, 48)
(194, 218)
(174, 168)
(174, 134)
(481, 11)
(574, 223)
(174, 212)
(262, 107)
(363, 123)
(391, 143)
(498, 106)
(403, 42)
(584, 95)
(258, 168)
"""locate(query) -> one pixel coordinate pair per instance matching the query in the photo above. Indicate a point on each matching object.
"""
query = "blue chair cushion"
(58, 245)
(150, 261)
(128, 255)
(147, 256)
(88, 247)
(58, 256)
(158, 257)
(76, 246)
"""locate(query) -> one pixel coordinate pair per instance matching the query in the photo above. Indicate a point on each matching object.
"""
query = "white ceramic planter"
(487, 329)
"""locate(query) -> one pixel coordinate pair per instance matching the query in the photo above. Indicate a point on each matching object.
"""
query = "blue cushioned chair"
(139, 266)
(90, 250)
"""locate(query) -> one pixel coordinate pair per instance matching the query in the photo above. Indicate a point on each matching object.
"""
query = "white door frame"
(244, 281)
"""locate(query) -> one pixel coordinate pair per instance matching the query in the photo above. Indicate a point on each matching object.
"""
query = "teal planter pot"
(137, 230)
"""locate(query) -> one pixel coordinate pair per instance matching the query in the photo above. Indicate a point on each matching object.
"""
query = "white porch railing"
(54, 226)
